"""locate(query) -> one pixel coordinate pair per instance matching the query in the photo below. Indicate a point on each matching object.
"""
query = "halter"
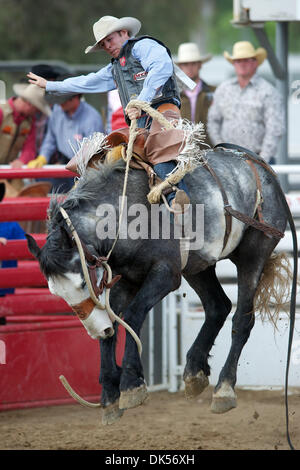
(89, 264)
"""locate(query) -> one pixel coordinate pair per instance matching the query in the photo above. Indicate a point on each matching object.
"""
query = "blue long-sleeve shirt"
(154, 59)
(64, 131)
(10, 231)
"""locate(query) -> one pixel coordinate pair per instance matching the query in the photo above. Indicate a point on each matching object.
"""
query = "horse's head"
(60, 262)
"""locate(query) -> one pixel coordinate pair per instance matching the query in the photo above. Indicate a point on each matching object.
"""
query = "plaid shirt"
(252, 117)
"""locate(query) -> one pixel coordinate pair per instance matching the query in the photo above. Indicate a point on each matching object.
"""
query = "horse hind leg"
(250, 260)
(217, 306)
(224, 397)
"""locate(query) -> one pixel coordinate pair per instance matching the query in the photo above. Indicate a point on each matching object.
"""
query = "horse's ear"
(33, 246)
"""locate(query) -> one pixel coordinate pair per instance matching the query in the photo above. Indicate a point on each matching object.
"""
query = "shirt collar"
(74, 115)
(253, 80)
(78, 110)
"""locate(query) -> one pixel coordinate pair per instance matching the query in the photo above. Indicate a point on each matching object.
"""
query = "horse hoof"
(111, 413)
(134, 397)
(195, 384)
(224, 399)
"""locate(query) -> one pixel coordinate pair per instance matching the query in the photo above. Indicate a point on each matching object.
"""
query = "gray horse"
(150, 267)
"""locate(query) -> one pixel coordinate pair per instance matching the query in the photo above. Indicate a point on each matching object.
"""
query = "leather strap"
(258, 185)
(262, 226)
(228, 219)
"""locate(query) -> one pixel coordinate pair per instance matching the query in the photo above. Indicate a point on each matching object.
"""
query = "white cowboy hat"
(34, 95)
(245, 50)
(189, 52)
(110, 24)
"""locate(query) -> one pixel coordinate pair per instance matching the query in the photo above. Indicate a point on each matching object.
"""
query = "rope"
(132, 136)
(158, 116)
(76, 396)
(96, 301)
(133, 132)
(107, 306)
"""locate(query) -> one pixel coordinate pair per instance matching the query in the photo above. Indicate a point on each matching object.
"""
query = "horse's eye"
(83, 284)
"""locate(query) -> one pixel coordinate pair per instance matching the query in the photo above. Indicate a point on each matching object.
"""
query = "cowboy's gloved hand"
(132, 112)
(37, 162)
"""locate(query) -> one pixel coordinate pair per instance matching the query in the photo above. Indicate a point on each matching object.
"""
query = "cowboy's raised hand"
(37, 80)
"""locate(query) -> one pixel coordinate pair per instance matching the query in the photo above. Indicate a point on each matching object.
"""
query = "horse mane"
(59, 250)
(86, 188)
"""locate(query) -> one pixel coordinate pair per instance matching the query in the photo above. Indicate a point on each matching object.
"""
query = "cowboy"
(141, 68)
(17, 124)
(194, 103)
(247, 110)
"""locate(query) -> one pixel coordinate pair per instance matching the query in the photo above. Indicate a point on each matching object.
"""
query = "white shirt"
(252, 117)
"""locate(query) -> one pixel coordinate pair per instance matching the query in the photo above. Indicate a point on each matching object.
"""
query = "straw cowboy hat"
(34, 95)
(245, 50)
(189, 52)
(110, 24)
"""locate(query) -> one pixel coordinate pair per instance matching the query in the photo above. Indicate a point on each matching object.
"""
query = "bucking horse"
(244, 215)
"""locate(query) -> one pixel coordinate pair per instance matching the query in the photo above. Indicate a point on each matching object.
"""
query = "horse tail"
(273, 291)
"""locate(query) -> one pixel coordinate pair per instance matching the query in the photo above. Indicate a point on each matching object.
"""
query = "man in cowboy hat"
(141, 68)
(71, 120)
(247, 110)
(17, 124)
(194, 103)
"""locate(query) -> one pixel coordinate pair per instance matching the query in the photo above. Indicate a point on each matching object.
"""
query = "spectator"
(194, 103)
(18, 128)
(247, 110)
(49, 73)
(17, 124)
(68, 124)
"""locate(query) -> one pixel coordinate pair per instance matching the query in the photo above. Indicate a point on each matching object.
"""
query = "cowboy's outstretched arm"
(37, 80)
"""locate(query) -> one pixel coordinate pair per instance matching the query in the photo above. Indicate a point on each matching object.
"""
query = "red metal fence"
(40, 338)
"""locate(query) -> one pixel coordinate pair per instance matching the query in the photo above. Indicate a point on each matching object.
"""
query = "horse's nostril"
(108, 332)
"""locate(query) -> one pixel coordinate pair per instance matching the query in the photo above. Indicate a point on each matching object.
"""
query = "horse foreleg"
(161, 280)
(110, 374)
(217, 306)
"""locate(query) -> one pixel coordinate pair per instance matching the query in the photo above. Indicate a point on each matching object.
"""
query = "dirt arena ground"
(166, 421)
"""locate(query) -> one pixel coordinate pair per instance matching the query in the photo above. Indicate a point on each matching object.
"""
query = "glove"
(38, 162)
